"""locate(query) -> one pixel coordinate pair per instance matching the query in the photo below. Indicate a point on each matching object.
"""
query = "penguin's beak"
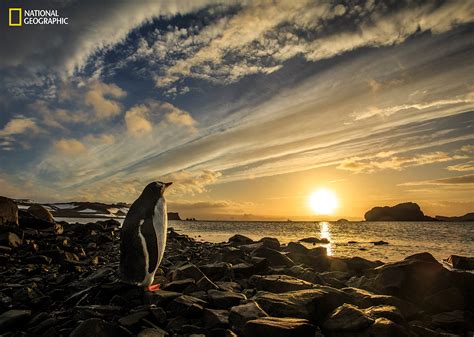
(167, 185)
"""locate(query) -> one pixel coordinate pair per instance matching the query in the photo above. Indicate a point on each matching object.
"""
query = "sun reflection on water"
(326, 234)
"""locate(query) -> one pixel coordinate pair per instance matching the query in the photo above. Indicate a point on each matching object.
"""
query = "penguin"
(143, 238)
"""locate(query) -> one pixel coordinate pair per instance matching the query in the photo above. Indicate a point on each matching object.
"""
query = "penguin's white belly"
(160, 223)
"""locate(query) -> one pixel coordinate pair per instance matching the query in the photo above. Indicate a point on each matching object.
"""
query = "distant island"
(84, 209)
(409, 211)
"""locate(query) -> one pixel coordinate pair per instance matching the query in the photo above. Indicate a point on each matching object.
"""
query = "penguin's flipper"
(148, 231)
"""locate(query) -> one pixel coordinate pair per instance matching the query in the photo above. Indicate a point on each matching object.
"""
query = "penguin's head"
(155, 190)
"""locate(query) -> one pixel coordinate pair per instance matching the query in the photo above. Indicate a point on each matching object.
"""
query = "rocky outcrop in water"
(63, 282)
(407, 211)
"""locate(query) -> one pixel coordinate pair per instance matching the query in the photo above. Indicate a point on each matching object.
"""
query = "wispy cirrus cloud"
(451, 181)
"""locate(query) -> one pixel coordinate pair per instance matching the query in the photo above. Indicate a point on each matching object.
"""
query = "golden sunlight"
(323, 201)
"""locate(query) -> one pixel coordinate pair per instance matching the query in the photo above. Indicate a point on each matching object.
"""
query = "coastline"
(61, 280)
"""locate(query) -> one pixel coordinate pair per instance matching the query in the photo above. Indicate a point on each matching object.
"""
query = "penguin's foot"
(153, 287)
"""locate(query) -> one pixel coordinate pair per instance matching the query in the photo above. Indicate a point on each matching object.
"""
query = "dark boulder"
(40, 212)
(278, 283)
(98, 327)
(460, 262)
(8, 212)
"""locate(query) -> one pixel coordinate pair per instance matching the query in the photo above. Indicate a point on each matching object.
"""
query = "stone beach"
(60, 279)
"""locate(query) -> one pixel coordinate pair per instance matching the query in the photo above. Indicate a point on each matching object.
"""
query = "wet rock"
(41, 213)
(274, 257)
(153, 332)
(13, 319)
(314, 240)
(161, 297)
(279, 327)
(278, 283)
(272, 243)
(214, 318)
(8, 212)
(240, 240)
(240, 314)
(296, 247)
(10, 239)
(224, 299)
(461, 262)
(383, 327)
(99, 327)
(379, 243)
(347, 318)
(456, 320)
(229, 286)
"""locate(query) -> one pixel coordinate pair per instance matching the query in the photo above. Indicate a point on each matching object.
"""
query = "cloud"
(19, 125)
(179, 117)
(140, 119)
(191, 183)
(462, 167)
(262, 35)
(460, 180)
(136, 120)
(104, 138)
(369, 165)
(104, 107)
(70, 146)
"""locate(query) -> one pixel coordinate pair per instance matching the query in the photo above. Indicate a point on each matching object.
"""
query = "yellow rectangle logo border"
(20, 11)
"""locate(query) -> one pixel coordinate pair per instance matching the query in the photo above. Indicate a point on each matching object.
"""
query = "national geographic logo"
(18, 17)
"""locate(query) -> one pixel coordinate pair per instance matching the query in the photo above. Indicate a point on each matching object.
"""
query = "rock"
(460, 262)
(407, 211)
(179, 286)
(8, 212)
(278, 283)
(312, 304)
(274, 257)
(411, 279)
(186, 272)
(360, 265)
(133, 319)
(243, 270)
(456, 320)
(214, 318)
(216, 271)
(224, 299)
(445, 300)
(365, 299)
(240, 240)
(153, 332)
(38, 259)
(12, 319)
(386, 311)
(347, 318)
(98, 327)
(296, 247)
(379, 243)
(187, 306)
(161, 297)
(383, 327)
(10, 239)
(205, 284)
(39, 212)
(240, 314)
(314, 240)
(279, 327)
(272, 243)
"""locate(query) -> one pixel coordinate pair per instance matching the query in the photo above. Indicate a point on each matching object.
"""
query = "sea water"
(441, 239)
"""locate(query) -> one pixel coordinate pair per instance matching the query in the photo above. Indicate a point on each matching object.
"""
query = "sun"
(323, 201)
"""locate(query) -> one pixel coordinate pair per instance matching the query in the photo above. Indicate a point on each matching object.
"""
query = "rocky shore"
(59, 279)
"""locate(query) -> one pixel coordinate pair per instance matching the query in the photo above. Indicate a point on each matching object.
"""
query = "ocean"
(441, 239)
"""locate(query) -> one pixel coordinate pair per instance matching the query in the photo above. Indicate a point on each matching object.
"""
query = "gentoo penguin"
(143, 237)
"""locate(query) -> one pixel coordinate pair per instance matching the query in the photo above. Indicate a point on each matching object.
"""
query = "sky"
(247, 106)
